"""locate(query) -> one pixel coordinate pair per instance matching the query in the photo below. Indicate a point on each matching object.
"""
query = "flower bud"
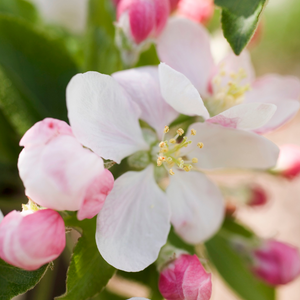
(185, 279)
(288, 164)
(30, 239)
(257, 196)
(60, 174)
(173, 4)
(276, 263)
(197, 10)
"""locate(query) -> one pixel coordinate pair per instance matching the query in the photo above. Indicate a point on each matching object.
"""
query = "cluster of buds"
(169, 153)
(182, 277)
(58, 174)
(288, 164)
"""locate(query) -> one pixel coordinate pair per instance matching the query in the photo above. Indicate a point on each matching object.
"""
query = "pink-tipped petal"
(231, 148)
(197, 206)
(29, 241)
(247, 116)
(179, 92)
(96, 194)
(283, 91)
(134, 222)
(142, 84)
(185, 279)
(184, 46)
(162, 11)
(276, 263)
(103, 117)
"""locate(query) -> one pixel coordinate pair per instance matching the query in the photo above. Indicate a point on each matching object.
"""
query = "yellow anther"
(222, 73)
(172, 141)
(171, 172)
(193, 132)
(166, 129)
(162, 144)
(180, 158)
(159, 162)
(200, 145)
(180, 131)
(162, 158)
(194, 160)
(186, 168)
(164, 150)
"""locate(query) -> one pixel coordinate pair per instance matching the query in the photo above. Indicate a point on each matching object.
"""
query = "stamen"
(172, 141)
(166, 130)
(200, 145)
(180, 131)
(159, 162)
(193, 132)
(194, 160)
(171, 172)
(162, 144)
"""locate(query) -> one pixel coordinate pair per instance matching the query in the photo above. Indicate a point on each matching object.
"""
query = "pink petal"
(184, 46)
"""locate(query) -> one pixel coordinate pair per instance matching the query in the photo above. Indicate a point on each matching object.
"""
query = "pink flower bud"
(60, 174)
(276, 263)
(29, 239)
(197, 10)
(185, 279)
(146, 18)
(257, 196)
(288, 164)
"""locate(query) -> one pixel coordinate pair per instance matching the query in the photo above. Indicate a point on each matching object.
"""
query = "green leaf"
(38, 66)
(106, 295)
(233, 267)
(19, 8)
(15, 281)
(101, 53)
(88, 273)
(240, 20)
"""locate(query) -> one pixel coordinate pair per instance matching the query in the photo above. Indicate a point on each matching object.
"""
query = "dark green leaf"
(240, 20)
(15, 281)
(101, 53)
(233, 267)
(38, 66)
(88, 273)
(106, 295)
(19, 8)
(177, 242)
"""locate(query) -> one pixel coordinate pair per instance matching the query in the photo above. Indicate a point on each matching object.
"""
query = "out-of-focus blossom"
(60, 174)
(257, 195)
(276, 263)
(173, 4)
(229, 88)
(31, 239)
(1, 216)
(104, 113)
(197, 10)
(185, 279)
(71, 14)
(288, 164)
(139, 21)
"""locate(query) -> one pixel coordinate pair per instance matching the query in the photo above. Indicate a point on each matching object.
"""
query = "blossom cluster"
(171, 124)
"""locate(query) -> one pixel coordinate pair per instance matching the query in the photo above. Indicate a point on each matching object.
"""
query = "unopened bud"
(185, 279)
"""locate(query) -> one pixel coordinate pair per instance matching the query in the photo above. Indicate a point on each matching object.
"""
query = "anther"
(200, 145)
(194, 160)
(159, 162)
(193, 132)
(164, 150)
(162, 158)
(162, 144)
(172, 141)
(180, 131)
(166, 129)
(186, 168)
(171, 172)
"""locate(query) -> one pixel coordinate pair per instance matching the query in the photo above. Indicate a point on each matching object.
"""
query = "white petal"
(103, 117)
(142, 84)
(247, 116)
(283, 91)
(196, 204)
(134, 222)
(231, 148)
(179, 92)
(184, 45)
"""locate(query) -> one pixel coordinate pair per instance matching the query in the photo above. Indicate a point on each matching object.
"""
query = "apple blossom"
(30, 239)
(185, 279)
(185, 46)
(104, 114)
(60, 174)
(288, 164)
(138, 22)
(276, 263)
(71, 14)
(197, 10)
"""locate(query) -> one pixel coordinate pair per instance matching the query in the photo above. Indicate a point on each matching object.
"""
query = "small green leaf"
(38, 66)
(19, 8)
(240, 20)
(88, 273)
(15, 281)
(233, 267)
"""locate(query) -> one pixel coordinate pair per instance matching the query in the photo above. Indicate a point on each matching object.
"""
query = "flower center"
(229, 94)
(169, 154)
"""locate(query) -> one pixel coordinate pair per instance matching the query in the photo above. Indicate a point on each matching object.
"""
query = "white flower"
(135, 220)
